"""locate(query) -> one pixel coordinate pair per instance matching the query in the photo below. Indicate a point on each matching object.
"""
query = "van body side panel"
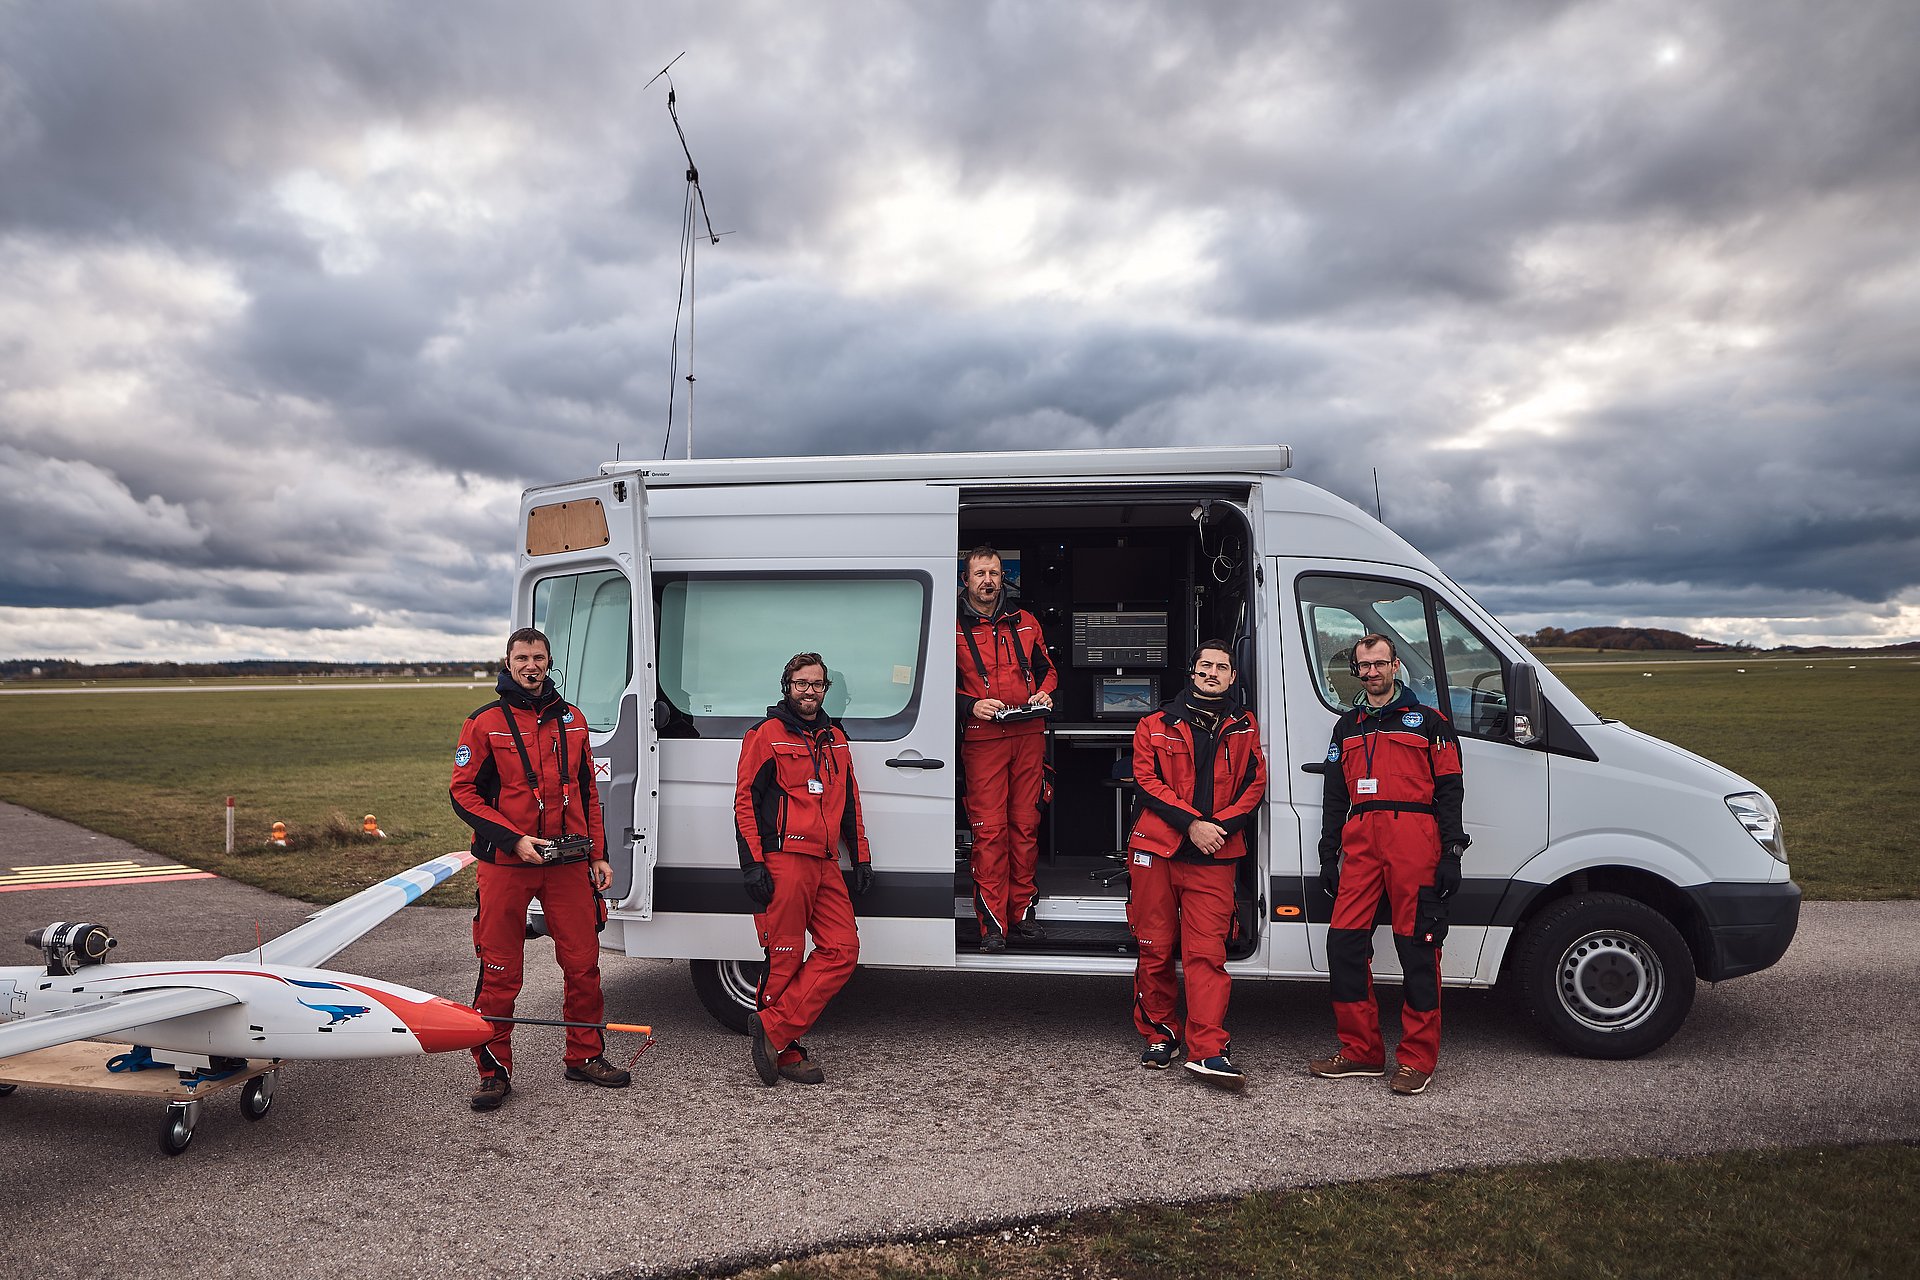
(824, 545)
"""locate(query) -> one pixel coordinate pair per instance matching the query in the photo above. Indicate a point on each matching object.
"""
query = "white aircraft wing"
(104, 1017)
(328, 932)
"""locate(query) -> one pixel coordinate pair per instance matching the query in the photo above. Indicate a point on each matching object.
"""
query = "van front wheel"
(1604, 976)
(728, 989)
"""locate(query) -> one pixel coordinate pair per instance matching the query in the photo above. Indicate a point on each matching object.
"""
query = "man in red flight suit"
(1392, 803)
(1003, 664)
(522, 775)
(1201, 775)
(794, 804)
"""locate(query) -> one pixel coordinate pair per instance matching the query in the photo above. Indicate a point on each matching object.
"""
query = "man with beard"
(523, 776)
(795, 803)
(1201, 775)
(1003, 665)
(1392, 806)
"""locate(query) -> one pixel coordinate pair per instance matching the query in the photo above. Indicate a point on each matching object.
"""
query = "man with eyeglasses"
(1393, 790)
(795, 804)
(1201, 775)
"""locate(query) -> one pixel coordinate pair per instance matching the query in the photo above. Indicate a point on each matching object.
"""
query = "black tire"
(176, 1132)
(727, 989)
(6, 1089)
(1603, 976)
(256, 1097)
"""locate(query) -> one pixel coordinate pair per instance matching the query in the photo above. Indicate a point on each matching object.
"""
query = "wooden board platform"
(81, 1067)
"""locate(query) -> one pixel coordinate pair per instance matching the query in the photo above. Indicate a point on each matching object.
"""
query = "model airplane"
(269, 1002)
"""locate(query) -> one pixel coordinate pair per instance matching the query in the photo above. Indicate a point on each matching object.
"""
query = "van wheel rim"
(1610, 981)
(740, 979)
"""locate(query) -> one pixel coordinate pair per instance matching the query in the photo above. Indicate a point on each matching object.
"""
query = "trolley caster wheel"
(177, 1131)
(256, 1099)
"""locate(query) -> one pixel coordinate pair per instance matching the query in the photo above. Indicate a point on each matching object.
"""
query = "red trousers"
(1394, 854)
(1003, 808)
(500, 938)
(809, 897)
(1196, 899)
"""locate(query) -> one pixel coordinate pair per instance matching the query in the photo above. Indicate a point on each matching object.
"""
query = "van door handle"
(902, 762)
(1318, 766)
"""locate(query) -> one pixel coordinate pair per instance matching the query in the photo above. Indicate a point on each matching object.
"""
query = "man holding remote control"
(523, 780)
(1003, 672)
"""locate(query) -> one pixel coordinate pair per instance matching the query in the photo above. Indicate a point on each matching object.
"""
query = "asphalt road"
(952, 1102)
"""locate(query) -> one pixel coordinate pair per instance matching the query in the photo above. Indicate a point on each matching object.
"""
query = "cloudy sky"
(1622, 300)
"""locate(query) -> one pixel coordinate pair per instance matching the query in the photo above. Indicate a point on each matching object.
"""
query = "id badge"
(815, 786)
(1367, 787)
(1141, 858)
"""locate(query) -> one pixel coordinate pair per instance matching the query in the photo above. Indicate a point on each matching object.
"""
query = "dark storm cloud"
(1619, 299)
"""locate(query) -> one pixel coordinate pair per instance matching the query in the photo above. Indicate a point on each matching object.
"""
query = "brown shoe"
(1339, 1067)
(1407, 1082)
(802, 1070)
(766, 1058)
(601, 1072)
(492, 1092)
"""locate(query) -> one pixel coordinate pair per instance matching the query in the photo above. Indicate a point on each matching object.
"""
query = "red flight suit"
(492, 794)
(1392, 833)
(1002, 657)
(1185, 771)
(794, 804)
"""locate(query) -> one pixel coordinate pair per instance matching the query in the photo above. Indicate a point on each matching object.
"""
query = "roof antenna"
(1376, 497)
(696, 198)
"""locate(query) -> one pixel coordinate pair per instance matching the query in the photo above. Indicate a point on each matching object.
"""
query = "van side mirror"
(1526, 709)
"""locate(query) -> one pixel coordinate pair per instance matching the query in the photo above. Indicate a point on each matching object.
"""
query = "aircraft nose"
(441, 1025)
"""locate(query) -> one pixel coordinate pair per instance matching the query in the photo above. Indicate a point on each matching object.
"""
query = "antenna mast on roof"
(689, 239)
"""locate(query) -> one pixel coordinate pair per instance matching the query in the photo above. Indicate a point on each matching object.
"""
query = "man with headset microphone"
(523, 780)
(795, 804)
(1393, 791)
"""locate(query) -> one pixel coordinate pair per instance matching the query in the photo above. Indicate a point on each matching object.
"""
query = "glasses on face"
(808, 686)
(1374, 666)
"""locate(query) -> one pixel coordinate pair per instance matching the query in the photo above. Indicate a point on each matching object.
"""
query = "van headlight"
(1758, 814)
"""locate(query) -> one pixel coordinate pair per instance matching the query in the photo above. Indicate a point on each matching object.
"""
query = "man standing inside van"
(794, 804)
(523, 776)
(1392, 805)
(1003, 666)
(1201, 775)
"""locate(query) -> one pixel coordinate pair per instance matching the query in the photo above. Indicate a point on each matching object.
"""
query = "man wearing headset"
(1201, 775)
(1392, 804)
(1003, 665)
(795, 804)
(523, 775)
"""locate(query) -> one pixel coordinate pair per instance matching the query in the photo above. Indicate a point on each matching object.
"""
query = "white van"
(1608, 870)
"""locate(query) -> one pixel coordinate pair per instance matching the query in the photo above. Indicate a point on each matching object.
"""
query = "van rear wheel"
(728, 989)
(1604, 976)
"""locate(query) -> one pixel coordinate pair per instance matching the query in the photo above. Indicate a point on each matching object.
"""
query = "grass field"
(1829, 740)
(155, 769)
(1817, 1212)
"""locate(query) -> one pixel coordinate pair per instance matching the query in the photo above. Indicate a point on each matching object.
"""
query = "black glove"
(1446, 876)
(1330, 877)
(862, 878)
(759, 882)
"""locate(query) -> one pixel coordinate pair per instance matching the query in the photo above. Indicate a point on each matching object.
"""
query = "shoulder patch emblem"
(1413, 719)
(1333, 754)
(567, 718)
(462, 754)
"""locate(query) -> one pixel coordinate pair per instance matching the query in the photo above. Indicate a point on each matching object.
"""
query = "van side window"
(589, 618)
(724, 638)
(1476, 679)
(1336, 612)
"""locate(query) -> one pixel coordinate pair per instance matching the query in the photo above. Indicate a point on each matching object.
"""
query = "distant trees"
(1633, 639)
(67, 669)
